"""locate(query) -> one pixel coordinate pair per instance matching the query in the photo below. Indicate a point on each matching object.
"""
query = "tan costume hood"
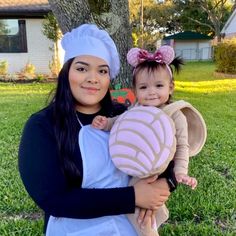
(197, 131)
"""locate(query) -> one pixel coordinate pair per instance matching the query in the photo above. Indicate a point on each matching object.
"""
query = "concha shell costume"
(142, 140)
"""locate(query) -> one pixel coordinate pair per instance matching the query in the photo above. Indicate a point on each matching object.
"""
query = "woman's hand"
(151, 193)
(161, 183)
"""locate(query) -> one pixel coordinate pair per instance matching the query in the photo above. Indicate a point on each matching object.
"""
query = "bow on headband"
(165, 54)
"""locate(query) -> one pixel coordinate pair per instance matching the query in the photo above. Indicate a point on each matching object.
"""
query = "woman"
(64, 162)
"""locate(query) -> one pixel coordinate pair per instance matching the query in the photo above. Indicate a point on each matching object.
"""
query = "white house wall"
(230, 31)
(232, 26)
(194, 50)
(229, 28)
(205, 50)
(38, 50)
(185, 49)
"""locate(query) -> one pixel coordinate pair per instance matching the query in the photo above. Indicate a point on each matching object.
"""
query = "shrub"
(28, 72)
(29, 69)
(3, 67)
(55, 66)
(225, 56)
(40, 77)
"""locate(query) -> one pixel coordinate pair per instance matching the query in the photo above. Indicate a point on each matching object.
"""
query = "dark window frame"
(19, 39)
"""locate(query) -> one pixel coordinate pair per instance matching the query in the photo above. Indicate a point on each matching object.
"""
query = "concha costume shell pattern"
(142, 141)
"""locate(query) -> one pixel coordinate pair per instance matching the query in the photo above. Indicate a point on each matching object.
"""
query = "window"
(12, 36)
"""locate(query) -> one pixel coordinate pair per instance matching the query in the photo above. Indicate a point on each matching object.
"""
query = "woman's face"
(89, 82)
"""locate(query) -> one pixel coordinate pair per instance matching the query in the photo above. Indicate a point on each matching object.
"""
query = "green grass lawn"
(210, 210)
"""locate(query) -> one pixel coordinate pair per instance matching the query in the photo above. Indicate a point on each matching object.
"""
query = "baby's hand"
(187, 180)
(147, 219)
(100, 122)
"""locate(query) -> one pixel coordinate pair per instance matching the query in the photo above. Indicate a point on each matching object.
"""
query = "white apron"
(98, 172)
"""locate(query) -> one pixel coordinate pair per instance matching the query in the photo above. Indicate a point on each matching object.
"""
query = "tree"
(144, 24)
(52, 31)
(159, 17)
(204, 15)
(3, 28)
(171, 16)
(113, 15)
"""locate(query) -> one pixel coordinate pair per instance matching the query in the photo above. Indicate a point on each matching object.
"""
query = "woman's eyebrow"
(87, 64)
(104, 66)
(82, 62)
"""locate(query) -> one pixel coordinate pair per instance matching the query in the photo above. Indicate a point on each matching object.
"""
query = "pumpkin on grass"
(125, 96)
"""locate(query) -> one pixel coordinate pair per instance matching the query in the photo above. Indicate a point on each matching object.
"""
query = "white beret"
(88, 39)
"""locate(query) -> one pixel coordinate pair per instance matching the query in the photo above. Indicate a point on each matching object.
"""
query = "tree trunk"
(115, 20)
(70, 14)
(123, 40)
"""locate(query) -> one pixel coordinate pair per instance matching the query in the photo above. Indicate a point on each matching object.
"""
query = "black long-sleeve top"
(45, 182)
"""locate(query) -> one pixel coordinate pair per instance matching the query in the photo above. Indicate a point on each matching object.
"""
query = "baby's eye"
(159, 85)
(143, 87)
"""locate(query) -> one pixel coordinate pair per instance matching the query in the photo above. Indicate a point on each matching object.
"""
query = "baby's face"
(153, 88)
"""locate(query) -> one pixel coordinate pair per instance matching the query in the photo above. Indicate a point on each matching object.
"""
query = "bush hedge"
(225, 56)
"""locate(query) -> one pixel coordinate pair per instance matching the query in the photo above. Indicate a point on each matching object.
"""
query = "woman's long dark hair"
(66, 124)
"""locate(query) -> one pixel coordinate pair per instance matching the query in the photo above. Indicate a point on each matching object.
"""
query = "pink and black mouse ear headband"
(164, 55)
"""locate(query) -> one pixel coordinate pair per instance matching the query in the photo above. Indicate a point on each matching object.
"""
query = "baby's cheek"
(141, 100)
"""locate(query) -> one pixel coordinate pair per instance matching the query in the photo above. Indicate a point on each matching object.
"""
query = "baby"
(153, 85)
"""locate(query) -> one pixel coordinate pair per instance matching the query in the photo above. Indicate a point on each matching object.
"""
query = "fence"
(191, 54)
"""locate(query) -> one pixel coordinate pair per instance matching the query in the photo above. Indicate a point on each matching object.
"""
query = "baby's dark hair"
(152, 66)
(177, 64)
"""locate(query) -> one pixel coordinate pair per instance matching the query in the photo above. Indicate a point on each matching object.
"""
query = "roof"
(188, 35)
(16, 8)
(228, 22)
